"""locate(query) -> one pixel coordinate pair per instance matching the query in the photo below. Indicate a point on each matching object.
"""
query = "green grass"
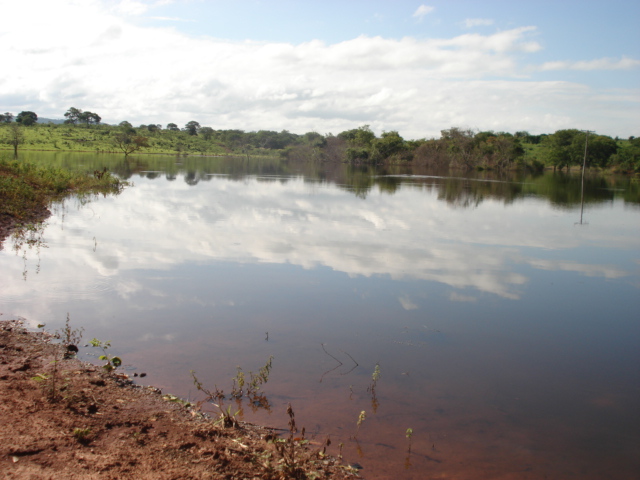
(26, 188)
(99, 138)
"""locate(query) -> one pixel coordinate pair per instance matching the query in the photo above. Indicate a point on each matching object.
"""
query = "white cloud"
(458, 297)
(134, 7)
(301, 223)
(124, 71)
(171, 19)
(407, 303)
(477, 22)
(623, 63)
(131, 7)
(422, 11)
(605, 271)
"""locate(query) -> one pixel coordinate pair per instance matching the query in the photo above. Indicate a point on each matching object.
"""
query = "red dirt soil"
(92, 424)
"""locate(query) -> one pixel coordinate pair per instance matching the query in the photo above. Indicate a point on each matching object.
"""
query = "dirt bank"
(62, 418)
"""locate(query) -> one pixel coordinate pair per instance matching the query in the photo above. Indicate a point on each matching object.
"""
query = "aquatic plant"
(361, 418)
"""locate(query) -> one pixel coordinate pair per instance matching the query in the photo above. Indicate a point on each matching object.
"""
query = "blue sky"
(416, 67)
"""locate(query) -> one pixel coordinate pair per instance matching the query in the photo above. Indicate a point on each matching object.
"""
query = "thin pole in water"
(584, 165)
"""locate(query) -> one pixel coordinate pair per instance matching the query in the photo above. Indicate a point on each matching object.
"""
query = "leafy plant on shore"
(295, 456)
(52, 381)
(70, 338)
(111, 362)
(227, 418)
(83, 435)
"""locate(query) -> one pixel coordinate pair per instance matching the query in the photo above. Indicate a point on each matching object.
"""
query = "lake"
(501, 312)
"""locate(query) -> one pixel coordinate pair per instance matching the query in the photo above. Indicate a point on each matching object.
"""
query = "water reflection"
(405, 236)
(501, 330)
(561, 189)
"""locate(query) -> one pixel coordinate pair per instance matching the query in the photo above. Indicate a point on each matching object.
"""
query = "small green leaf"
(116, 361)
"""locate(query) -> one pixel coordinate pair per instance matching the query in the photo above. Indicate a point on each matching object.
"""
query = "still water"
(506, 330)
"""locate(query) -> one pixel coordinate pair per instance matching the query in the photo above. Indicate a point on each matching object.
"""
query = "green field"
(457, 148)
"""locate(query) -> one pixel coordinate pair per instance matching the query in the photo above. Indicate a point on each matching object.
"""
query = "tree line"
(455, 148)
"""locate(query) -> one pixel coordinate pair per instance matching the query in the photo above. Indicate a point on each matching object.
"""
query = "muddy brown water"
(505, 331)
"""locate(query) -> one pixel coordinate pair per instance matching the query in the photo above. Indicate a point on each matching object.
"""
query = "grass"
(26, 188)
(100, 139)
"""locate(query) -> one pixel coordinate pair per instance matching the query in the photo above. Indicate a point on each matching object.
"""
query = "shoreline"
(71, 419)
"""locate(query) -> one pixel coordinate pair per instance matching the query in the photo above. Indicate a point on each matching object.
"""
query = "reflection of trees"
(564, 190)
(28, 237)
(191, 178)
(464, 190)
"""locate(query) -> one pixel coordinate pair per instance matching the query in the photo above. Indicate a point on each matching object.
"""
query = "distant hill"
(49, 120)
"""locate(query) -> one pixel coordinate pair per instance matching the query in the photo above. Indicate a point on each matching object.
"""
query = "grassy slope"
(97, 138)
(26, 188)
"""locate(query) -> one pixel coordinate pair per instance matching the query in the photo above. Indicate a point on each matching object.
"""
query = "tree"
(192, 127)
(599, 150)
(16, 137)
(89, 118)
(390, 143)
(172, 127)
(129, 142)
(73, 115)
(460, 145)
(315, 139)
(27, 118)
(7, 117)
(562, 151)
(361, 136)
(206, 132)
(628, 156)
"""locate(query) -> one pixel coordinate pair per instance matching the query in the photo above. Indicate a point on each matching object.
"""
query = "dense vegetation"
(26, 189)
(456, 148)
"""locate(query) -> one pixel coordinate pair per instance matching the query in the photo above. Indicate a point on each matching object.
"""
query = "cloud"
(605, 271)
(623, 63)
(406, 303)
(171, 19)
(477, 22)
(422, 11)
(418, 86)
(131, 7)
(296, 222)
(458, 297)
(134, 7)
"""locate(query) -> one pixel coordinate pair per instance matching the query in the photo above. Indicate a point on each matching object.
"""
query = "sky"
(328, 66)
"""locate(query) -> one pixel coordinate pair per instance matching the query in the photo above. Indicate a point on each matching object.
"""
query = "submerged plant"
(361, 418)
(409, 434)
(254, 383)
(240, 387)
(375, 376)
